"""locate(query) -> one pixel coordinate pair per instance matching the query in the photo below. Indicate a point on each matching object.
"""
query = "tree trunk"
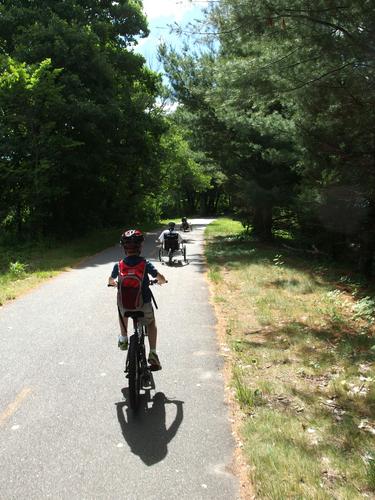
(367, 244)
(262, 223)
(203, 204)
(216, 205)
(18, 219)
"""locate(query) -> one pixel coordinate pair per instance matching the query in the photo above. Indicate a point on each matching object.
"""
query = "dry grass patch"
(301, 341)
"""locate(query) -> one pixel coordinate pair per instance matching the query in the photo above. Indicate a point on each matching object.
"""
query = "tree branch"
(335, 70)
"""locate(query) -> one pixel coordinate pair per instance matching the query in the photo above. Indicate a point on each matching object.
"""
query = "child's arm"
(112, 279)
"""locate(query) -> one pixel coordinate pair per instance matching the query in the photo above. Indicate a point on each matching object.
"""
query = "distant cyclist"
(132, 242)
(185, 226)
(171, 231)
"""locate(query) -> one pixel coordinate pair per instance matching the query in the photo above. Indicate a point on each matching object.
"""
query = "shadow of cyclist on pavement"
(146, 432)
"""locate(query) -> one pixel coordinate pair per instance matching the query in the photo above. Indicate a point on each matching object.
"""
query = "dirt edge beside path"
(239, 466)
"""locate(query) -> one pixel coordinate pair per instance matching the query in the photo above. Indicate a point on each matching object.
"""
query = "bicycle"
(137, 370)
(136, 367)
(170, 249)
(185, 226)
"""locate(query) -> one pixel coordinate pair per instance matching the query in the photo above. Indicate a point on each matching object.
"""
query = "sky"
(160, 14)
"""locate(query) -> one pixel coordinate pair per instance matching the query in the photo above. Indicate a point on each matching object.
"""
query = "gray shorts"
(148, 312)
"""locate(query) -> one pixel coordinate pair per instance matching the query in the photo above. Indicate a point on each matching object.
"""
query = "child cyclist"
(132, 242)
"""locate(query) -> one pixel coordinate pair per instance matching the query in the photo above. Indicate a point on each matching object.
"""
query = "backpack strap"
(144, 268)
(121, 266)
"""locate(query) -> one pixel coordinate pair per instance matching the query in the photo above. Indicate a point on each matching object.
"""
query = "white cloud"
(167, 8)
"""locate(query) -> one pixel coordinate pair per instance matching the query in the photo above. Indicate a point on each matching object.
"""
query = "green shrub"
(364, 309)
(17, 269)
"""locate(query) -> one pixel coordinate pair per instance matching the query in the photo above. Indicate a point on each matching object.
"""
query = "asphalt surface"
(66, 431)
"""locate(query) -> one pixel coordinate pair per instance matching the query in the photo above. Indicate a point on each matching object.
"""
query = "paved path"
(65, 429)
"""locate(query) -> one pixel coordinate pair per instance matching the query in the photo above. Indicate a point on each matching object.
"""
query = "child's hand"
(112, 282)
(161, 279)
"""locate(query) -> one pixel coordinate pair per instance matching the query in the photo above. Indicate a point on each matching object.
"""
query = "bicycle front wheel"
(134, 373)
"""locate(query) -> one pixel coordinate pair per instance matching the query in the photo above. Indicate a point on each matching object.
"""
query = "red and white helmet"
(132, 239)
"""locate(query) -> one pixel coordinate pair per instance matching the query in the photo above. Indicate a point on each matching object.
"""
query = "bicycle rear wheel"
(134, 373)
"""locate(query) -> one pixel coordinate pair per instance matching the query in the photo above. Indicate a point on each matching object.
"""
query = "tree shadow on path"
(145, 431)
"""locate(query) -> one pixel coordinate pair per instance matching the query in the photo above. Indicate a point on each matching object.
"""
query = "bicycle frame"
(136, 366)
(171, 253)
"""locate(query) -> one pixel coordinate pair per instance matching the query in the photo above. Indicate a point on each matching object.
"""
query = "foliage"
(250, 142)
(365, 308)
(80, 132)
(17, 269)
(315, 61)
(283, 94)
(192, 182)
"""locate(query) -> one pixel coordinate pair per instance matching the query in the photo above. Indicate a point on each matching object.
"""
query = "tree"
(183, 175)
(319, 58)
(300, 75)
(97, 128)
(249, 139)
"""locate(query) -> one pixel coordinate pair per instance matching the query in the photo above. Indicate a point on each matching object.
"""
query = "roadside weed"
(246, 396)
(365, 309)
(17, 269)
(214, 274)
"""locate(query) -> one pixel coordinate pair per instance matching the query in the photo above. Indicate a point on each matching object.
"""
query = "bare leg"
(123, 325)
(152, 333)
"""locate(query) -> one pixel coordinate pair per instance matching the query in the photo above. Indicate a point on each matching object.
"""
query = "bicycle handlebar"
(152, 282)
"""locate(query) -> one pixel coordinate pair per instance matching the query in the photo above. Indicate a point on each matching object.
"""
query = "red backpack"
(130, 278)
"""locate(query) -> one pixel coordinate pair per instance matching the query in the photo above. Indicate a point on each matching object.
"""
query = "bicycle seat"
(171, 242)
(134, 314)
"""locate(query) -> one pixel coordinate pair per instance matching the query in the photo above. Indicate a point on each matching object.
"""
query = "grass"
(24, 266)
(301, 339)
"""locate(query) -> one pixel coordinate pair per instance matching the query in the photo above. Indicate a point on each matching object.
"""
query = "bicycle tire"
(170, 257)
(142, 361)
(134, 373)
(184, 254)
(160, 254)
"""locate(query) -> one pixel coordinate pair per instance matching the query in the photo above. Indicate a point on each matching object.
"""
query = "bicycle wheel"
(184, 252)
(170, 257)
(145, 379)
(133, 372)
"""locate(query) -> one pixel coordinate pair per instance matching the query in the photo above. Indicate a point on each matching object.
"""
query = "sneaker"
(123, 344)
(154, 362)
